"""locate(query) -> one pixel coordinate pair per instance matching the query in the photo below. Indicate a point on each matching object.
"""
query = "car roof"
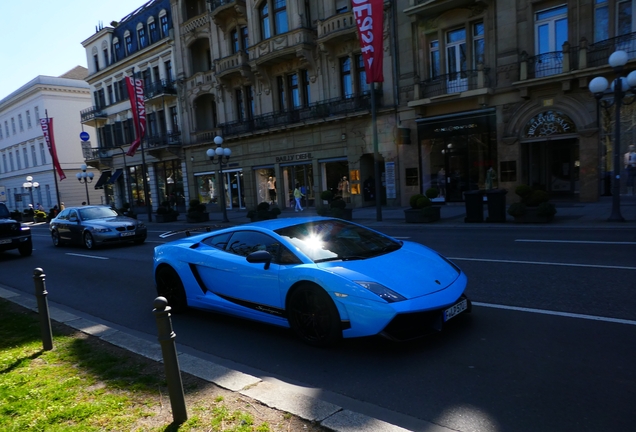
(86, 206)
(274, 224)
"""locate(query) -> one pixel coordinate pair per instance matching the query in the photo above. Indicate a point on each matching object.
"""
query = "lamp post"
(220, 155)
(30, 184)
(621, 88)
(86, 178)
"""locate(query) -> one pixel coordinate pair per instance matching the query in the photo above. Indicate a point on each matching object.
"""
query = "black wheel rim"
(56, 238)
(311, 315)
(88, 241)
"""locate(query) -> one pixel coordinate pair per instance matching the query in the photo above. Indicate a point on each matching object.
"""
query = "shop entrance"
(303, 175)
(466, 160)
(235, 197)
(553, 166)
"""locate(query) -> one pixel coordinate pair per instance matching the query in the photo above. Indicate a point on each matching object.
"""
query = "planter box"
(425, 215)
(200, 217)
(166, 217)
(530, 216)
(345, 213)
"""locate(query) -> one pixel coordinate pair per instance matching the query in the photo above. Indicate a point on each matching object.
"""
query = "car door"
(246, 285)
(61, 224)
(74, 227)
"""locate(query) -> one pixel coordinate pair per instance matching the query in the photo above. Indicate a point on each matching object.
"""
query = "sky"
(44, 37)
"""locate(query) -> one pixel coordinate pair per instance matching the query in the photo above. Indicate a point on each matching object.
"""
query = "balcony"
(317, 112)
(99, 158)
(287, 46)
(236, 64)
(93, 116)
(468, 83)
(335, 30)
(198, 23)
(598, 53)
(224, 11)
(158, 145)
(204, 81)
(160, 90)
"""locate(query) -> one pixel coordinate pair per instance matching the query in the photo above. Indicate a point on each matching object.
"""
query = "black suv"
(14, 235)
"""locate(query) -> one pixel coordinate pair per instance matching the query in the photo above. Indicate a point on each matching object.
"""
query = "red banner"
(369, 15)
(47, 130)
(136, 93)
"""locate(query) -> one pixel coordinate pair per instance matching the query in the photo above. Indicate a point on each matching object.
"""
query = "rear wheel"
(313, 316)
(169, 285)
(88, 241)
(26, 248)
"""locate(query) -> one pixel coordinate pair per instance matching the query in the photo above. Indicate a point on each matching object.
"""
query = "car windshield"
(97, 213)
(336, 240)
(4, 212)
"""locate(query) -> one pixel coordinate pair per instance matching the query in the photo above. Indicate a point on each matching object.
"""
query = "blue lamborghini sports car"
(325, 278)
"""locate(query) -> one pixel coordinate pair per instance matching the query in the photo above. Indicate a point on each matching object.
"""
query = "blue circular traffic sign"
(84, 136)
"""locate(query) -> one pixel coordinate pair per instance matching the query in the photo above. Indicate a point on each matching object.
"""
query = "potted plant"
(197, 212)
(263, 211)
(165, 213)
(28, 215)
(337, 208)
(422, 210)
(126, 210)
(16, 215)
(533, 207)
(39, 216)
(432, 193)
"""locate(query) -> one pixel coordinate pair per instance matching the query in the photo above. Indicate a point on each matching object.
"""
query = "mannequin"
(630, 166)
(491, 175)
(271, 188)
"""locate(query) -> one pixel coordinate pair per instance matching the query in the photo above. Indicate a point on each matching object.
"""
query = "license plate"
(5, 241)
(455, 310)
(128, 234)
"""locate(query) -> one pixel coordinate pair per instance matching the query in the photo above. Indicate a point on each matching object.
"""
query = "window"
(280, 16)
(264, 14)
(168, 65)
(13, 126)
(361, 75)
(20, 123)
(551, 29)
(128, 41)
(294, 91)
(164, 25)
(152, 30)
(4, 162)
(245, 39)
(96, 61)
(155, 74)
(42, 154)
(342, 6)
(234, 37)
(141, 34)
(281, 94)
(306, 89)
(18, 160)
(345, 76)
(111, 97)
(6, 128)
(145, 76)
(25, 156)
(243, 243)
(33, 156)
(478, 44)
(601, 21)
(217, 241)
(116, 48)
(37, 114)
(28, 117)
(1, 137)
(106, 62)
(249, 90)
(100, 98)
(240, 107)
(175, 119)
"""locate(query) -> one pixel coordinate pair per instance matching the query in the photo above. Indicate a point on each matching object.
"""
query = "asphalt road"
(549, 347)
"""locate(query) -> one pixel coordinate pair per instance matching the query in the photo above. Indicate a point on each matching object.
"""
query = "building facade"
(24, 152)
(140, 45)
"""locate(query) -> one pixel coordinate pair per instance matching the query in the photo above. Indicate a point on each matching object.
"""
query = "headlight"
(141, 225)
(101, 230)
(381, 291)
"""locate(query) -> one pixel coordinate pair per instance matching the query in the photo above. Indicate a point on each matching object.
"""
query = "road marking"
(543, 263)
(576, 241)
(87, 256)
(563, 314)
(395, 237)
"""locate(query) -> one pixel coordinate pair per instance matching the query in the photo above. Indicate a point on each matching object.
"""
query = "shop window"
(411, 177)
(266, 185)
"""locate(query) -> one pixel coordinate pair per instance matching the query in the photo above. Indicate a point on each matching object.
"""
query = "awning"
(102, 180)
(115, 176)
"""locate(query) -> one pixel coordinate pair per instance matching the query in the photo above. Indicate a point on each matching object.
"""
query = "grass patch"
(86, 384)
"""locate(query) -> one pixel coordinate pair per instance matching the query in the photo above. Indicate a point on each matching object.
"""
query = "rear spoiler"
(188, 231)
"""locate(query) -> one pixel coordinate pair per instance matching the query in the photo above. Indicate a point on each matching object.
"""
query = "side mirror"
(260, 257)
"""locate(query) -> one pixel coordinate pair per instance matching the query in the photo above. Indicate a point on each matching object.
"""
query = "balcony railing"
(164, 140)
(92, 154)
(337, 25)
(92, 113)
(455, 82)
(598, 53)
(315, 111)
(160, 88)
(546, 64)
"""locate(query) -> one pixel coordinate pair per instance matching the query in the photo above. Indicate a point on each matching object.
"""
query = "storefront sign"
(389, 169)
(294, 157)
(549, 123)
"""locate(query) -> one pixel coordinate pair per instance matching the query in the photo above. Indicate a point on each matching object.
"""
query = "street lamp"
(30, 184)
(621, 87)
(220, 156)
(86, 178)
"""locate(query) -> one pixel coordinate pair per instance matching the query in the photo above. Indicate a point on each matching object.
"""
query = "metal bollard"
(43, 309)
(170, 359)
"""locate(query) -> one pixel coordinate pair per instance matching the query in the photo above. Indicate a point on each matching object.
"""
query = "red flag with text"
(369, 15)
(136, 93)
(47, 130)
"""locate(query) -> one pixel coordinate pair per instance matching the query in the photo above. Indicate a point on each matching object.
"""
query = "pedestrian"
(298, 196)
(62, 206)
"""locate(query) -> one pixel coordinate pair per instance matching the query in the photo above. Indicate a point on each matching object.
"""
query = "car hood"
(112, 221)
(412, 271)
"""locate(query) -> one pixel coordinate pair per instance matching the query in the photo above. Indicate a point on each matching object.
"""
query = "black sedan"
(94, 226)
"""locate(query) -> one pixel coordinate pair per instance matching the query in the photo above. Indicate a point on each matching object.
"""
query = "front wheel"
(313, 316)
(55, 236)
(89, 242)
(169, 285)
